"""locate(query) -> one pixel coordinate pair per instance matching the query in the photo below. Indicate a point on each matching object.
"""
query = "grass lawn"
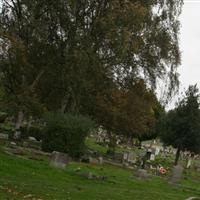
(20, 178)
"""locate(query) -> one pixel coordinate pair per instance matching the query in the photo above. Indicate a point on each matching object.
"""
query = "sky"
(190, 44)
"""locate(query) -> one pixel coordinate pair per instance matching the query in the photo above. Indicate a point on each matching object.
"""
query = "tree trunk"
(18, 124)
(177, 156)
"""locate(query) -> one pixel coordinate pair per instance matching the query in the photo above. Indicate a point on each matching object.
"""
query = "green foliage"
(3, 117)
(7, 127)
(66, 133)
(128, 111)
(32, 131)
(60, 54)
(182, 125)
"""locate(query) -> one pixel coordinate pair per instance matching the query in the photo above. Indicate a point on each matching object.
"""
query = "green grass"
(102, 149)
(20, 177)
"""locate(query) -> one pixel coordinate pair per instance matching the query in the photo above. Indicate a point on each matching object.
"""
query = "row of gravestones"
(60, 160)
(130, 158)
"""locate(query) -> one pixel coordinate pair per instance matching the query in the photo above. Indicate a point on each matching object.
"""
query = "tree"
(182, 125)
(154, 128)
(128, 112)
(59, 55)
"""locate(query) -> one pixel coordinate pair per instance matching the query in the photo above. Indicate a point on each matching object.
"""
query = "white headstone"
(152, 157)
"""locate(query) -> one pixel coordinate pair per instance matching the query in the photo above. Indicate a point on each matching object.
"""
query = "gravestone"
(100, 160)
(59, 160)
(131, 158)
(142, 174)
(4, 136)
(197, 167)
(125, 156)
(93, 161)
(177, 174)
(152, 157)
(189, 163)
(32, 139)
(157, 150)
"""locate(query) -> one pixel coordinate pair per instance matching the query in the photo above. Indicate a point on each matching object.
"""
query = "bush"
(3, 117)
(66, 133)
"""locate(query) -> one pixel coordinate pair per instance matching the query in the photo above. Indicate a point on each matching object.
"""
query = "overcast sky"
(190, 44)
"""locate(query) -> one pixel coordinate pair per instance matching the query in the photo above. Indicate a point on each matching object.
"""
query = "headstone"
(131, 158)
(4, 136)
(32, 144)
(142, 174)
(125, 156)
(93, 161)
(157, 151)
(189, 163)
(90, 175)
(13, 144)
(100, 160)
(32, 139)
(177, 174)
(59, 160)
(197, 167)
(152, 157)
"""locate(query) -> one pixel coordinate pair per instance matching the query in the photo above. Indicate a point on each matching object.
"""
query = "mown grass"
(20, 177)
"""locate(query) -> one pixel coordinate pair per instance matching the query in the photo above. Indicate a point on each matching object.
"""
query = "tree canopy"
(182, 125)
(60, 55)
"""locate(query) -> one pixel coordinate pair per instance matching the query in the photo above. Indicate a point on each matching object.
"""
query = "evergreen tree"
(182, 125)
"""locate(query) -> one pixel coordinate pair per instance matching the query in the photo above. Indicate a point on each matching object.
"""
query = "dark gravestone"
(59, 160)
(177, 173)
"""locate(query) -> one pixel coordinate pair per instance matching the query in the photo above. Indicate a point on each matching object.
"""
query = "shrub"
(66, 133)
(3, 117)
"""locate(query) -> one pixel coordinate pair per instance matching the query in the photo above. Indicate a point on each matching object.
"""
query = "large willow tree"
(58, 54)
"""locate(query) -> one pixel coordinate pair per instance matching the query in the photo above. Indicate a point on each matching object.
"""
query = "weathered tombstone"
(93, 161)
(13, 144)
(125, 156)
(59, 160)
(189, 163)
(131, 158)
(197, 167)
(4, 136)
(32, 139)
(90, 175)
(100, 160)
(177, 174)
(142, 174)
(152, 157)
(157, 150)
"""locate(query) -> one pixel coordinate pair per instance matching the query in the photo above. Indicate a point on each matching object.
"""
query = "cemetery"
(99, 100)
(29, 173)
